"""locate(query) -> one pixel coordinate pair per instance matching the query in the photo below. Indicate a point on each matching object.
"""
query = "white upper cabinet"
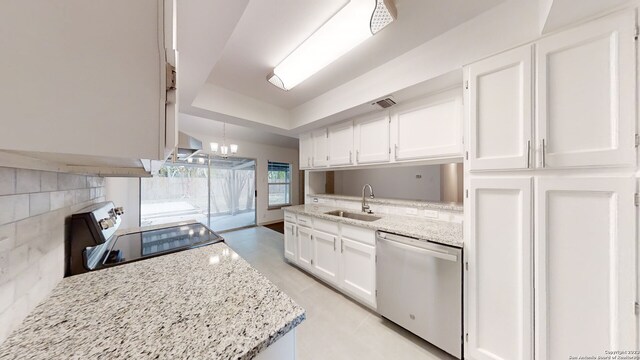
(430, 128)
(89, 78)
(586, 94)
(306, 150)
(320, 156)
(341, 144)
(372, 139)
(500, 111)
(585, 266)
(499, 253)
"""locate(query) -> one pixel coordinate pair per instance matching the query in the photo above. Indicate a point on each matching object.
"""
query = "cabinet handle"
(341, 247)
(544, 153)
(528, 154)
(357, 156)
(334, 244)
(350, 161)
(395, 152)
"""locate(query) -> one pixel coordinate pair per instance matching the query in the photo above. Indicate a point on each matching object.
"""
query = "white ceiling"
(268, 31)
(211, 128)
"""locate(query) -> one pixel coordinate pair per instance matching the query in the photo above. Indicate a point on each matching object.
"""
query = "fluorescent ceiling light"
(354, 23)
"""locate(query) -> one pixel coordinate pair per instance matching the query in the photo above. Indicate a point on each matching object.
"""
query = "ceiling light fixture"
(223, 150)
(354, 23)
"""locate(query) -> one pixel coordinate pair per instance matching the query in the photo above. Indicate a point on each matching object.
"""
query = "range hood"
(187, 146)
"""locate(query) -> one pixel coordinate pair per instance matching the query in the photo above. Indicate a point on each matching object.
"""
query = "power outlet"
(432, 214)
(411, 211)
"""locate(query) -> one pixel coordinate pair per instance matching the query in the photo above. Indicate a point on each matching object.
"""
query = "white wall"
(394, 183)
(125, 192)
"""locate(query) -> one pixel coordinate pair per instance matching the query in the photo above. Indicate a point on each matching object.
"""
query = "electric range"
(93, 245)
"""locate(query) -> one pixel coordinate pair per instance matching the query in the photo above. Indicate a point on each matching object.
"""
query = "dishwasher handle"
(392, 240)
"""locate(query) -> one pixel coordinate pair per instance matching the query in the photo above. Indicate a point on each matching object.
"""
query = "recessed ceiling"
(198, 126)
(269, 30)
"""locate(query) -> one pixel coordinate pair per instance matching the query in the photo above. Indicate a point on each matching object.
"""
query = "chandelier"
(223, 150)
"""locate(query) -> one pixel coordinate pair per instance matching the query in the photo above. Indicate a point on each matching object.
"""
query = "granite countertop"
(443, 232)
(204, 303)
(420, 204)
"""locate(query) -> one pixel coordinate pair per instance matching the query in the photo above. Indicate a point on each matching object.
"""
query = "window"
(279, 184)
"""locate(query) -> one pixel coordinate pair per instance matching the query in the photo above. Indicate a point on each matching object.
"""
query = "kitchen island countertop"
(204, 303)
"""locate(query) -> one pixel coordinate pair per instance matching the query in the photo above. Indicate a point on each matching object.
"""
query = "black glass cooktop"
(145, 244)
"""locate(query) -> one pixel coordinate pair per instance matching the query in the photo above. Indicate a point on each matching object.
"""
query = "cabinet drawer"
(366, 236)
(327, 226)
(304, 220)
(290, 217)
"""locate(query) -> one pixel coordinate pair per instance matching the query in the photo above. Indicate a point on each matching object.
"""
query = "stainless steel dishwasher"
(420, 288)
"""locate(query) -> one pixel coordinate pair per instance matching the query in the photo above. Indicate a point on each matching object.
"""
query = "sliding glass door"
(233, 193)
(217, 192)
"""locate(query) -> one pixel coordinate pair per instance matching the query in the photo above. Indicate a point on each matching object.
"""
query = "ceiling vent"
(385, 103)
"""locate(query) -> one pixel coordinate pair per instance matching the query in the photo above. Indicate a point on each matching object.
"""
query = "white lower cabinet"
(326, 256)
(581, 263)
(358, 264)
(499, 296)
(290, 241)
(342, 255)
(305, 247)
(585, 266)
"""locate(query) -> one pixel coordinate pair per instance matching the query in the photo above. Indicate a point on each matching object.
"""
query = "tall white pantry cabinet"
(551, 209)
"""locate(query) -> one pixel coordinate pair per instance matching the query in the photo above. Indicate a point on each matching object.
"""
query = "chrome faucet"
(365, 207)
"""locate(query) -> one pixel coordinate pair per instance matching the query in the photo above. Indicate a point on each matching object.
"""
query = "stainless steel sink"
(355, 216)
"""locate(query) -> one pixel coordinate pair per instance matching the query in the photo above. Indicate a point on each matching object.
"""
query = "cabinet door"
(586, 94)
(320, 148)
(290, 241)
(499, 296)
(430, 128)
(108, 102)
(305, 247)
(326, 255)
(585, 266)
(372, 140)
(358, 263)
(341, 144)
(500, 111)
(306, 151)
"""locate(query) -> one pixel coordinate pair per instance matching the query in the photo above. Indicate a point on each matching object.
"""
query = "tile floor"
(336, 328)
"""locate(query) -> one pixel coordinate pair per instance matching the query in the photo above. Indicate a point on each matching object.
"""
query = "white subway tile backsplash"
(7, 237)
(49, 181)
(18, 260)
(71, 181)
(34, 206)
(39, 203)
(7, 295)
(57, 200)
(26, 280)
(28, 230)
(27, 181)
(7, 181)
(13, 208)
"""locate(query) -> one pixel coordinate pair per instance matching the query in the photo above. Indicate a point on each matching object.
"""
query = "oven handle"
(389, 239)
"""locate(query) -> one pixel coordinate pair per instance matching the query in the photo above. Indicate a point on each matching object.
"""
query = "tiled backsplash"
(429, 210)
(33, 209)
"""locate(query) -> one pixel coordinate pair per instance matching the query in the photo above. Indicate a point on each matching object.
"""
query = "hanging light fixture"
(353, 24)
(223, 150)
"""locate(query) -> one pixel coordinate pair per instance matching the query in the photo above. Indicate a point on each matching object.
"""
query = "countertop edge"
(299, 209)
